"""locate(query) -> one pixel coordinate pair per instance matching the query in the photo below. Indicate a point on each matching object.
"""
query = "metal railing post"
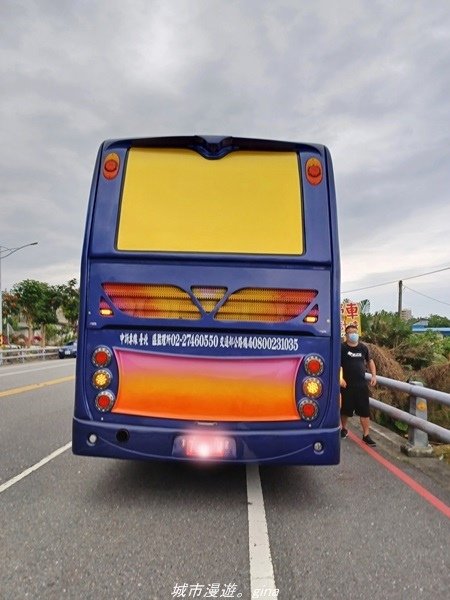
(417, 440)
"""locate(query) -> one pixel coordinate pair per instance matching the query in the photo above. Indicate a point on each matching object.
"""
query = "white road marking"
(33, 370)
(41, 463)
(261, 568)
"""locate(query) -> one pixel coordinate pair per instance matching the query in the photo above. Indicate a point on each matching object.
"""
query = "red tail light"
(314, 365)
(101, 357)
(308, 409)
(104, 401)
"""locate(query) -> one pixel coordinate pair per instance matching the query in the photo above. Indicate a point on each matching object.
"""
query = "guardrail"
(417, 418)
(18, 355)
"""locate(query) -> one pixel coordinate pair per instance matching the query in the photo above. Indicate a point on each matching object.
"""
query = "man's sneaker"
(369, 441)
(344, 433)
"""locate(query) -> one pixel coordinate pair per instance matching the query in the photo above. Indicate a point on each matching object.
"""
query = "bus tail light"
(111, 166)
(101, 379)
(101, 357)
(308, 409)
(312, 387)
(104, 401)
(314, 171)
(314, 365)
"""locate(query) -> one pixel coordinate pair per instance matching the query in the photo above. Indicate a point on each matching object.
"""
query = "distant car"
(68, 350)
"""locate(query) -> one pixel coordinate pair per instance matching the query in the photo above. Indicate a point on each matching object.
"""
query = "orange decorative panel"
(211, 389)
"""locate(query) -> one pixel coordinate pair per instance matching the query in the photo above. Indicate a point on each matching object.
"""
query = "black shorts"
(355, 400)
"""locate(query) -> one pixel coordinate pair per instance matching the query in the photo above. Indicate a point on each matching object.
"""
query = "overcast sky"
(369, 79)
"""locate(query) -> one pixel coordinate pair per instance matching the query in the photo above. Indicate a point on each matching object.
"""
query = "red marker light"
(314, 171)
(111, 166)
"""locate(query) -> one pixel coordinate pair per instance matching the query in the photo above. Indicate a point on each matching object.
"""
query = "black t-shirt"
(353, 363)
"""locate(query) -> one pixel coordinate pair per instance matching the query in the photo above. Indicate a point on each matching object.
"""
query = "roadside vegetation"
(401, 354)
(50, 313)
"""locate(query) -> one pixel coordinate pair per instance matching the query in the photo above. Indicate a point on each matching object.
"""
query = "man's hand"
(373, 380)
(343, 383)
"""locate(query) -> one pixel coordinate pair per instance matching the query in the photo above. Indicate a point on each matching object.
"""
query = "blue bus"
(210, 320)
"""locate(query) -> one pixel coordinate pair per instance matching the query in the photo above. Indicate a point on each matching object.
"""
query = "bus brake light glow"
(111, 166)
(205, 446)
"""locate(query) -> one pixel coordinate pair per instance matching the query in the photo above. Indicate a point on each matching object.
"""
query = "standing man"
(355, 358)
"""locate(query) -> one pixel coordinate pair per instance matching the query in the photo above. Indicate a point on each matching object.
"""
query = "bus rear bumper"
(287, 446)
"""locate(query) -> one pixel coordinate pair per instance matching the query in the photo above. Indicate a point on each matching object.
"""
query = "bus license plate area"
(204, 446)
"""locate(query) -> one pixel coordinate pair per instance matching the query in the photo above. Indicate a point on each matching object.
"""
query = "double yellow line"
(35, 386)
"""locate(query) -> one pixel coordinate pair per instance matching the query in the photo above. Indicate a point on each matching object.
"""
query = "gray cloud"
(369, 79)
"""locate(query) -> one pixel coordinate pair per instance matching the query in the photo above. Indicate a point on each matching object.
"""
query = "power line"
(425, 296)
(369, 287)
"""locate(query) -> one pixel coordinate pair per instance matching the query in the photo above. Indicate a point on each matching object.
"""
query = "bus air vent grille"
(148, 301)
(267, 305)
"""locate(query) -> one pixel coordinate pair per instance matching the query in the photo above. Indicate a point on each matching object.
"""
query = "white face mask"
(353, 338)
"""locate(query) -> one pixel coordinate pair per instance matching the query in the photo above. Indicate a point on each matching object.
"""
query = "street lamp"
(4, 253)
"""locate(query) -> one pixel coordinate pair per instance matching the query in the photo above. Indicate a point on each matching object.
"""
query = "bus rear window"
(174, 200)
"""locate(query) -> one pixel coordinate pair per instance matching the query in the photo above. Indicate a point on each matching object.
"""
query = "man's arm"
(373, 372)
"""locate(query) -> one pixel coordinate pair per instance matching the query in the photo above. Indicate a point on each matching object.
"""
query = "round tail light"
(312, 387)
(314, 365)
(101, 357)
(101, 379)
(308, 409)
(104, 401)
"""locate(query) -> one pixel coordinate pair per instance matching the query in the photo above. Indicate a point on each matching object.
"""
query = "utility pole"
(400, 298)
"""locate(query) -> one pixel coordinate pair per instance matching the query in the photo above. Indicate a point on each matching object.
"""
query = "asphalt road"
(83, 528)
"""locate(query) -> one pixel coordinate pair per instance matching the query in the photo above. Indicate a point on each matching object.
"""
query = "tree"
(37, 302)
(69, 299)
(438, 321)
(385, 329)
